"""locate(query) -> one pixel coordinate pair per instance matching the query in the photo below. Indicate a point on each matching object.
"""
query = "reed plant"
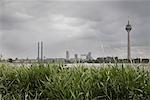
(57, 82)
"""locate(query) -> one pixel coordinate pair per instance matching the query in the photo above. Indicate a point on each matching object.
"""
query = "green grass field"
(54, 82)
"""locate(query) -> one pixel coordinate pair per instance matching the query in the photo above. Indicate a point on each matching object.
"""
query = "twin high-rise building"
(40, 48)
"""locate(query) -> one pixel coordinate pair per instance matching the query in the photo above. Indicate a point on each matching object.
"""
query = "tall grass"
(55, 82)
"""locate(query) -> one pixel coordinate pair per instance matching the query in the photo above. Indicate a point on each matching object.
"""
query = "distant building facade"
(67, 55)
(89, 56)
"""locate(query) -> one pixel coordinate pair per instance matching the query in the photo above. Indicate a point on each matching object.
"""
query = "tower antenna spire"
(128, 20)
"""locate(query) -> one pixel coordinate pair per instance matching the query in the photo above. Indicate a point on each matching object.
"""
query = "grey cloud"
(79, 26)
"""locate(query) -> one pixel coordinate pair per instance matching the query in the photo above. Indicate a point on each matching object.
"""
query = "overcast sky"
(79, 26)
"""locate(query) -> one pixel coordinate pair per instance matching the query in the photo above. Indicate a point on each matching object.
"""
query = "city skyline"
(76, 26)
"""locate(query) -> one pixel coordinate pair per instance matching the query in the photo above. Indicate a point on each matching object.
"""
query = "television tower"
(128, 29)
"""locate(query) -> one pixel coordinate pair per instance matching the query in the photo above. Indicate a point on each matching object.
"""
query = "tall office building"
(89, 56)
(67, 55)
(76, 56)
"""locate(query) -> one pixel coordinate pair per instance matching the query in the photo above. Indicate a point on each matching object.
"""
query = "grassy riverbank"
(54, 82)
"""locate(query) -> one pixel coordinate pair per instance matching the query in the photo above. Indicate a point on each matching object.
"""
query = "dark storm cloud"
(77, 26)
